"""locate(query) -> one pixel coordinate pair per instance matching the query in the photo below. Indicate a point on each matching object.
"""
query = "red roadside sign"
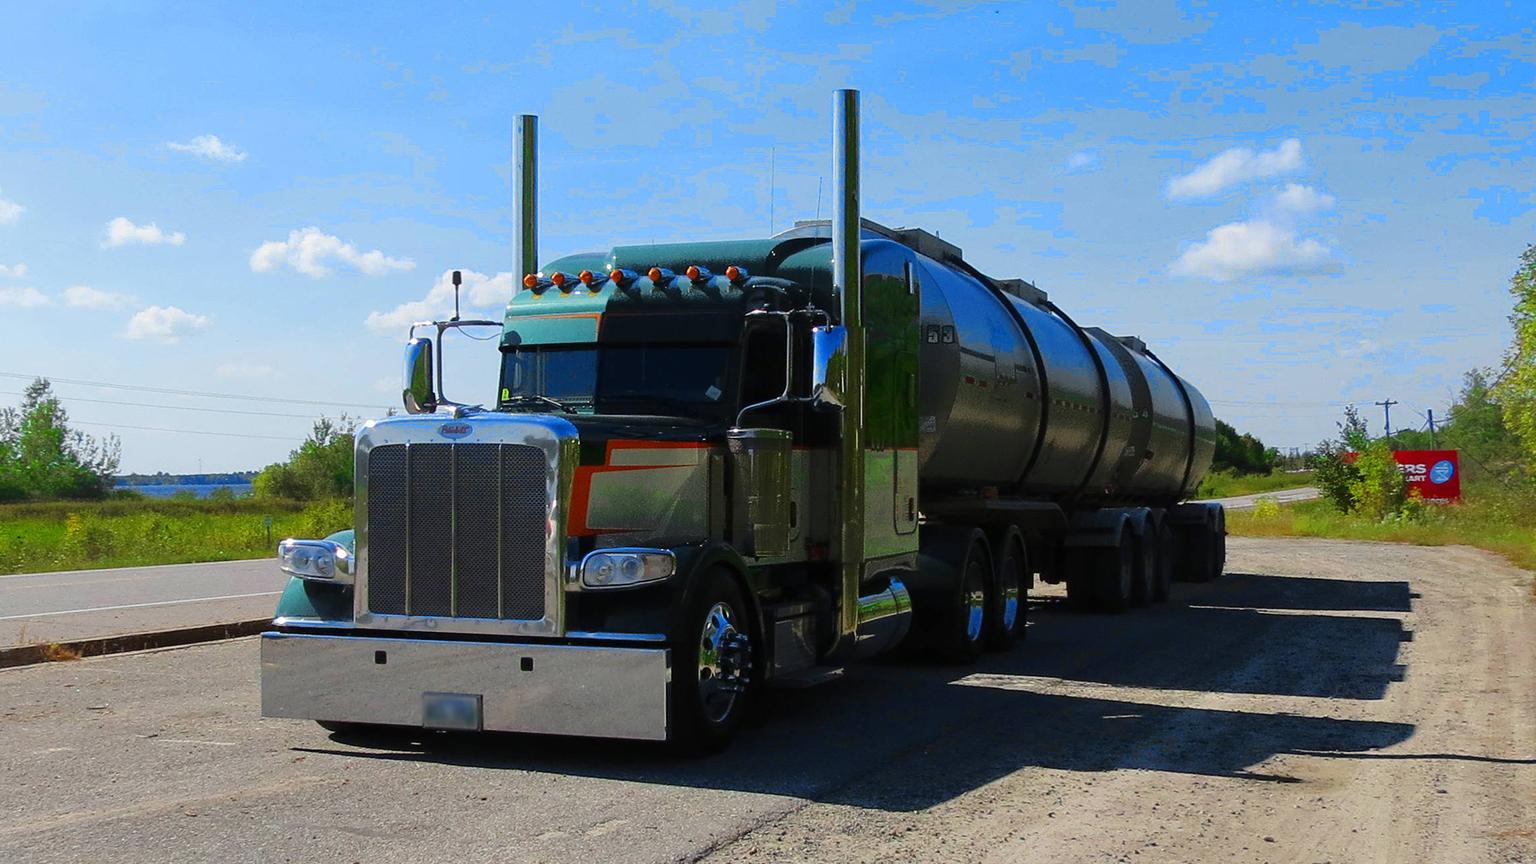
(1436, 474)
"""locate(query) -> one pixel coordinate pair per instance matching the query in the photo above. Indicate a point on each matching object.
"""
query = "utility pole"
(1433, 443)
(1386, 406)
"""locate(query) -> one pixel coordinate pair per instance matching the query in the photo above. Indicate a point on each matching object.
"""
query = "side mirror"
(829, 356)
(418, 394)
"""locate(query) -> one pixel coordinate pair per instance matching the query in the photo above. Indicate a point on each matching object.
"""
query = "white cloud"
(10, 211)
(208, 147)
(15, 270)
(1298, 199)
(26, 298)
(481, 294)
(1083, 160)
(308, 249)
(245, 370)
(1259, 248)
(122, 232)
(86, 297)
(162, 323)
(1237, 165)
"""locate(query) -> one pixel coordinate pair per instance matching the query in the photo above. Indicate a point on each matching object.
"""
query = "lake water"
(201, 490)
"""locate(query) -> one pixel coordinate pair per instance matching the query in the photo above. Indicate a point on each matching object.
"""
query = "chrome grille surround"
(488, 507)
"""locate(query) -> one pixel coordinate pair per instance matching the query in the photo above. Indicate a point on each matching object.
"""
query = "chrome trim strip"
(326, 623)
(604, 636)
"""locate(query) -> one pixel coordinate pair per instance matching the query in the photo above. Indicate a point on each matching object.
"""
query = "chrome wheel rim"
(725, 663)
(975, 601)
(1010, 588)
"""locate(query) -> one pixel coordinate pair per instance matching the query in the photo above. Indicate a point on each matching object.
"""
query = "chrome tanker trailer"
(715, 468)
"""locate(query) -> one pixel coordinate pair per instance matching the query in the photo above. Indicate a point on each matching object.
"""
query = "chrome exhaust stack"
(525, 197)
(847, 282)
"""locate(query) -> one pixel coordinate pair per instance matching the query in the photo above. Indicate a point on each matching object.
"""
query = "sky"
(230, 212)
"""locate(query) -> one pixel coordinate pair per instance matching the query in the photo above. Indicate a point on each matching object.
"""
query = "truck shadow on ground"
(1168, 689)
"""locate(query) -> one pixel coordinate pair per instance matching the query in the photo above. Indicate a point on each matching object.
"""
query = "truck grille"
(457, 530)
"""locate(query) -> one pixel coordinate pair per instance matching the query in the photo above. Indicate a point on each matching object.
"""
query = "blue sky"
(1296, 206)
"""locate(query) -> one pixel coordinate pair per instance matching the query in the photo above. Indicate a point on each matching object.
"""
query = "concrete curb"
(27, 655)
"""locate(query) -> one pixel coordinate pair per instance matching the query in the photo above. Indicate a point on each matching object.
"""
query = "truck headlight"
(318, 560)
(620, 568)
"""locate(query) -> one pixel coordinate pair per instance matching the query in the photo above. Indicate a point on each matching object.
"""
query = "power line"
(171, 407)
(200, 393)
(288, 438)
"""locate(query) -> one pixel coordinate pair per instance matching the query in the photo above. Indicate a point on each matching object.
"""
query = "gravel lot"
(1326, 701)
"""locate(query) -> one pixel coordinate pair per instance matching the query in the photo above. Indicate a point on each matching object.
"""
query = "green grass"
(82, 535)
(1224, 485)
(1491, 517)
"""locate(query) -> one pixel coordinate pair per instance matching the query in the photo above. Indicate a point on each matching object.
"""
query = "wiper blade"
(531, 399)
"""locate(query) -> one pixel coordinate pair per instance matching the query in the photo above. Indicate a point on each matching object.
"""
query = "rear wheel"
(1144, 567)
(1167, 552)
(1219, 566)
(1006, 611)
(1077, 572)
(713, 679)
(1203, 549)
(950, 605)
(1113, 574)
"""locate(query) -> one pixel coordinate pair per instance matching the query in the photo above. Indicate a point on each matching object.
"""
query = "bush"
(320, 469)
(1378, 489)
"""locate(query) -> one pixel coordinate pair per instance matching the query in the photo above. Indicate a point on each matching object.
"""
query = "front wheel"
(713, 678)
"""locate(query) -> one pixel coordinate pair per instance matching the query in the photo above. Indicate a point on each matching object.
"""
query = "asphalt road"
(1283, 496)
(1326, 701)
(82, 604)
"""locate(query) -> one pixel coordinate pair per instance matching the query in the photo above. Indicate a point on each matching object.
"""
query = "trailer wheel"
(1009, 595)
(1144, 568)
(1167, 554)
(1204, 548)
(1077, 571)
(950, 606)
(712, 680)
(1219, 566)
(1113, 574)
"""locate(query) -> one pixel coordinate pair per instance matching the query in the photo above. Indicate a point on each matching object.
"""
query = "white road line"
(141, 605)
(134, 567)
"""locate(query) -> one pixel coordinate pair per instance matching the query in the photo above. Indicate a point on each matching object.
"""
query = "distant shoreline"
(167, 490)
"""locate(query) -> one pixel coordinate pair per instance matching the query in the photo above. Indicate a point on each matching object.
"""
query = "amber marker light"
(530, 281)
(692, 273)
(586, 277)
(558, 279)
(654, 273)
(735, 274)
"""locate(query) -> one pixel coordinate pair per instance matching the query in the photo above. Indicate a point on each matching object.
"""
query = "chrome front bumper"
(553, 689)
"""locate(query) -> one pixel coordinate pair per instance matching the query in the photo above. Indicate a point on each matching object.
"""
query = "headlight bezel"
(324, 561)
(628, 567)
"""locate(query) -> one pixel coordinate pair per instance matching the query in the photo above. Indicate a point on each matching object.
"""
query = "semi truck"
(717, 468)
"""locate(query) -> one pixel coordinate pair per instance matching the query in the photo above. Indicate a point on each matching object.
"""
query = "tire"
(714, 680)
(1144, 567)
(1219, 564)
(950, 611)
(1204, 552)
(1077, 572)
(1009, 595)
(1113, 574)
(1167, 561)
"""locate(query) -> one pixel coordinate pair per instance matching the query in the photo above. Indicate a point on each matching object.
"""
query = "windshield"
(685, 380)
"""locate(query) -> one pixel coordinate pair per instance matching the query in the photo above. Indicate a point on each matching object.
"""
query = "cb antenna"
(458, 280)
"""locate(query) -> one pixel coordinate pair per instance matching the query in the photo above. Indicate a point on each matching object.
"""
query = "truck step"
(808, 677)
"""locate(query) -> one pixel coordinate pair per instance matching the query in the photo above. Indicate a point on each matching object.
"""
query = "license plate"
(457, 711)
